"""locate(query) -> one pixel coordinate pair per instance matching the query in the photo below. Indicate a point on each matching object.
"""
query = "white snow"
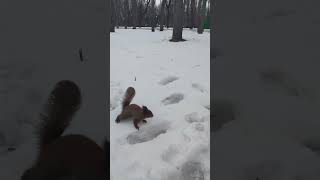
(173, 81)
(272, 124)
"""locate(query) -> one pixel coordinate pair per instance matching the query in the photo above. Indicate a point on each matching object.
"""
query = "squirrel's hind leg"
(135, 123)
(118, 119)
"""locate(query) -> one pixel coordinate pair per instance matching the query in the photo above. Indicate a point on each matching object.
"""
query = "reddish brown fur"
(133, 110)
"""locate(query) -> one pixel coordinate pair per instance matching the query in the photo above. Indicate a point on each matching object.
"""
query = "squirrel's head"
(147, 113)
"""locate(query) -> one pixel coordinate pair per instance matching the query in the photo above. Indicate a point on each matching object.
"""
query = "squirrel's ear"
(144, 109)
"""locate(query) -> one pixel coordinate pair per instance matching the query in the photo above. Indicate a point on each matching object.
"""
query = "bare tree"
(142, 10)
(193, 14)
(187, 18)
(153, 15)
(168, 5)
(163, 3)
(198, 13)
(134, 13)
(202, 16)
(177, 21)
(126, 13)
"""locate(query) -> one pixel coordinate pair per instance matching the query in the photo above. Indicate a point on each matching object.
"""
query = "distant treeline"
(145, 13)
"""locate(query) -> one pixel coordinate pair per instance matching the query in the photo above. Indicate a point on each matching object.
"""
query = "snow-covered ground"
(172, 80)
(267, 66)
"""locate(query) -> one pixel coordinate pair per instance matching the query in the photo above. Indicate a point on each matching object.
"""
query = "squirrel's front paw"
(117, 120)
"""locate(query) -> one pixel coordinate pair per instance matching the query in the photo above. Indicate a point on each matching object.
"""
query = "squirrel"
(73, 155)
(132, 110)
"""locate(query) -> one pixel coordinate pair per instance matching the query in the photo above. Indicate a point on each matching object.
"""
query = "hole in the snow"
(173, 99)
(168, 80)
(148, 133)
(199, 87)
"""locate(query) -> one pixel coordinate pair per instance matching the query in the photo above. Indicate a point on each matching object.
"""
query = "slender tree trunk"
(134, 14)
(193, 14)
(127, 13)
(187, 21)
(168, 5)
(153, 15)
(177, 21)
(198, 13)
(163, 3)
(202, 16)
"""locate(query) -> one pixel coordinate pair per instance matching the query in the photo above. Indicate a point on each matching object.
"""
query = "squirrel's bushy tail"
(63, 102)
(130, 92)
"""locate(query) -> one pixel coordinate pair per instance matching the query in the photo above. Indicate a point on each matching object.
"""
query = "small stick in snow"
(135, 78)
(81, 54)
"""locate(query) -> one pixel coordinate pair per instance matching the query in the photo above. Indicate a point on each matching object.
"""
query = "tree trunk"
(163, 3)
(177, 21)
(202, 16)
(127, 14)
(153, 15)
(198, 13)
(187, 19)
(134, 14)
(168, 5)
(193, 14)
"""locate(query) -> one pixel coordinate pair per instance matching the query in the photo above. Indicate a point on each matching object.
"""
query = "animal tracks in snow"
(173, 99)
(168, 80)
(199, 87)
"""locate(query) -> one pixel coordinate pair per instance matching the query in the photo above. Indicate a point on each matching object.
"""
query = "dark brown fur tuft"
(63, 102)
(130, 93)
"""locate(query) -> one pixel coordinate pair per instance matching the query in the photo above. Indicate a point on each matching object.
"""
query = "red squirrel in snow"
(133, 110)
